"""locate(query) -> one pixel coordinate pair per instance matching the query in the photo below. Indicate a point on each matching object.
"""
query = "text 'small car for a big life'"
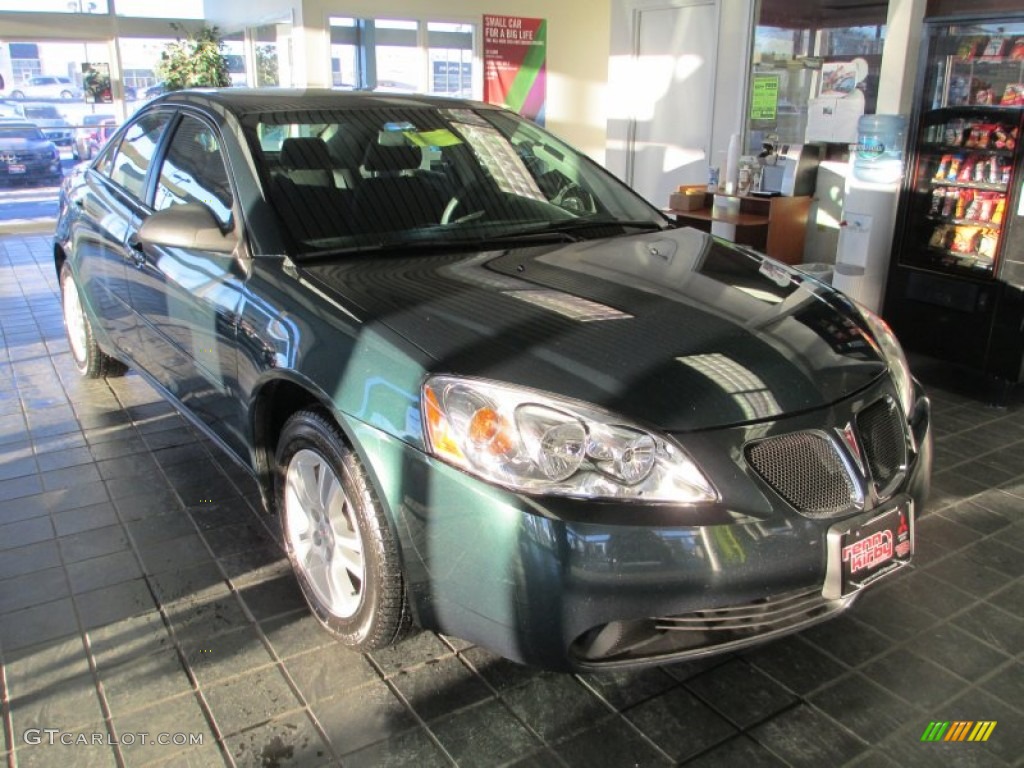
(488, 389)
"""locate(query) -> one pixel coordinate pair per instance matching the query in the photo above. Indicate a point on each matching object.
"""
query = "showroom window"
(404, 56)
(811, 53)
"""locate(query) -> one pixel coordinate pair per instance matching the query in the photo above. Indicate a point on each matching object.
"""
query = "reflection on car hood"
(672, 329)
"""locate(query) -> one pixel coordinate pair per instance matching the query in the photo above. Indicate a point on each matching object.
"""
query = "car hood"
(676, 330)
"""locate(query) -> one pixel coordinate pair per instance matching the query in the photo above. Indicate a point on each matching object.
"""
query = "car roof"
(8, 122)
(246, 101)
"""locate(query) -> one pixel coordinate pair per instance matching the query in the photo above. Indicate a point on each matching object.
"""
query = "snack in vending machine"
(940, 236)
(938, 198)
(954, 168)
(963, 200)
(949, 206)
(965, 239)
(943, 169)
(987, 244)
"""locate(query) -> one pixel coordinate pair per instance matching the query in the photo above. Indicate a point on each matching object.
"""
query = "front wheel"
(90, 360)
(337, 535)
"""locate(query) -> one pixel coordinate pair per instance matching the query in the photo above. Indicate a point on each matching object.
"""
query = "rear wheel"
(91, 361)
(337, 535)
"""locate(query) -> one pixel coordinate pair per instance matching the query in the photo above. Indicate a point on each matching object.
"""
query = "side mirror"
(191, 226)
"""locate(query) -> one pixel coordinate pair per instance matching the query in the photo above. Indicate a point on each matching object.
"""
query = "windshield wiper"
(602, 225)
(429, 244)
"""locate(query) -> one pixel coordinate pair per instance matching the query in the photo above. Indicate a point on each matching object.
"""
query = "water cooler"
(869, 209)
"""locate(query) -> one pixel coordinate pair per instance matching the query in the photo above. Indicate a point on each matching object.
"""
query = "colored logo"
(959, 730)
(869, 552)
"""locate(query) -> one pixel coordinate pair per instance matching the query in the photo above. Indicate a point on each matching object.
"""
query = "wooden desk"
(776, 226)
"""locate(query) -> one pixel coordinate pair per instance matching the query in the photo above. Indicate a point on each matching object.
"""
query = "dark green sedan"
(488, 389)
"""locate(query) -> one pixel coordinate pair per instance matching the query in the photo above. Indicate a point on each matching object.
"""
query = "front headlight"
(892, 352)
(538, 443)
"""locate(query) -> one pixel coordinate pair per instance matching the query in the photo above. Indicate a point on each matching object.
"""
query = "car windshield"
(20, 132)
(42, 113)
(429, 177)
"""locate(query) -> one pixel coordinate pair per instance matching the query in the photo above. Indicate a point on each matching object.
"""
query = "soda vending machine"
(956, 280)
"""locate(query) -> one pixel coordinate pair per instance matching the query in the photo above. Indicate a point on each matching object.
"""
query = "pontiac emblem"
(849, 438)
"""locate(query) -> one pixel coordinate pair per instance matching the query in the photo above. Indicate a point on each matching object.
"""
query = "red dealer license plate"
(867, 548)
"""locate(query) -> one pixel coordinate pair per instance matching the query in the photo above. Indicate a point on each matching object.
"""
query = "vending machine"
(956, 279)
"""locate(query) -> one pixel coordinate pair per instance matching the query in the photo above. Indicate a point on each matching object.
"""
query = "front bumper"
(570, 584)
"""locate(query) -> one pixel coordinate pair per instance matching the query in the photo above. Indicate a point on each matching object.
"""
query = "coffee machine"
(789, 169)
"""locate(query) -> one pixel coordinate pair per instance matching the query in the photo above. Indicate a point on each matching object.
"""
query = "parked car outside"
(487, 389)
(26, 155)
(53, 124)
(91, 135)
(47, 87)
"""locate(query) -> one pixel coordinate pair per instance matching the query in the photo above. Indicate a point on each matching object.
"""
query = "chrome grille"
(885, 444)
(806, 470)
(756, 617)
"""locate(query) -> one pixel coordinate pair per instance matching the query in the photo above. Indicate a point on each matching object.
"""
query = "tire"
(17, 95)
(67, 95)
(91, 361)
(337, 535)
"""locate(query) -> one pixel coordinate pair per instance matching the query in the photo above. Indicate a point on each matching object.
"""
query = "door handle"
(137, 255)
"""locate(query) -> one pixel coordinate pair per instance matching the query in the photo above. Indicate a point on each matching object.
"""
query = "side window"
(194, 172)
(135, 153)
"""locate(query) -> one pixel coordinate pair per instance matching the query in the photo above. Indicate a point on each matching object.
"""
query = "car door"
(187, 298)
(114, 195)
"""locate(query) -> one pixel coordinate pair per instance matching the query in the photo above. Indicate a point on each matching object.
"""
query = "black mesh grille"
(805, 469)
(883, 439)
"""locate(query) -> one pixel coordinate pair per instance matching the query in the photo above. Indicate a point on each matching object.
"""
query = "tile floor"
(142, 593)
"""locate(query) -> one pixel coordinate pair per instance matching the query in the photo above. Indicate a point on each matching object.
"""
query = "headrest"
(381, 158)
(305, 154)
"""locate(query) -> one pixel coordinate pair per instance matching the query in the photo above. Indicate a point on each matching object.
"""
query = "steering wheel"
(457, 201)
(473, 196)
(574, 198)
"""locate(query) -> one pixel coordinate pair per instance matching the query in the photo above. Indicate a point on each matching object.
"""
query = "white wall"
(577, 50)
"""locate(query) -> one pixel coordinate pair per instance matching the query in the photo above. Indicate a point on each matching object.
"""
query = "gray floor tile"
(241, 703)
(741, 693)
(108, 605)
(180, 715)
(103, 571)
(371, 714)
(412, 747)
(37, 624)
(84, 519)
(555, 706)
(25, 532)
(144, 680)
(226, 655)
(439, 688)
(329, 671)
(487, 734)
(288, 741)
(32, 589)
(611, 743)
(806, 737)
(680, 724)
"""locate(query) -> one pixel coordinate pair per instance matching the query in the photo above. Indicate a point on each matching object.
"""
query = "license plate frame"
(865, 548)
(16, 168)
